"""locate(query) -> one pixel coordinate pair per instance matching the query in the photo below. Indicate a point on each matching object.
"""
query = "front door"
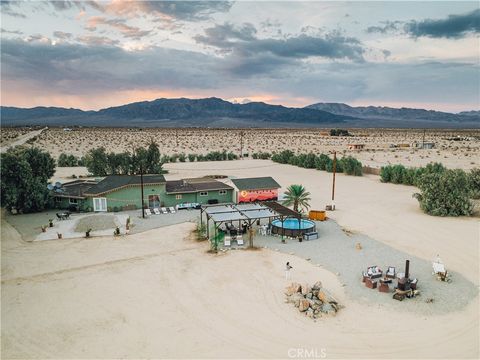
(153, 201)
(99, 204)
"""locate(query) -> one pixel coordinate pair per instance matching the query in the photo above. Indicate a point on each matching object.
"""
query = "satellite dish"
(58, 184)
(50, 187)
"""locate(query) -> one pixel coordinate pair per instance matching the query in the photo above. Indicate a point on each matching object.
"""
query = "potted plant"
(44, 228)
(59, 235)
(87, 233)
(50, 222)
(117, 231)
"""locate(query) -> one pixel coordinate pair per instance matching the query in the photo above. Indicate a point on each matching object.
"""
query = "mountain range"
(215, 112)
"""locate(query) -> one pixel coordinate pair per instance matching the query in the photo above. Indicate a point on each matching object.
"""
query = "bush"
(182, 157)
(192, 157)
(398, 174)
(283, 157)
(338, 166)
(444, 193)
(474, 183)
(261, 155)
(351, 166)
(322, 161)
(339, 132)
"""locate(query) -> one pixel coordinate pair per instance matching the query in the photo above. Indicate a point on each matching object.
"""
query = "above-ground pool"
(292, 227)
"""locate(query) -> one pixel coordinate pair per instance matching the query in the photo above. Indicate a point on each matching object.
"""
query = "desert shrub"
(201, 157)
(232, 156)
(338, 166)
(386, 174)
(321, 162)
(309, 161)
(192, 157)
(474, 183)
(182, 157)
(444, 193)
(283, 157)
(65, 160)
(398, 174)
(261, 155)
(351, 166)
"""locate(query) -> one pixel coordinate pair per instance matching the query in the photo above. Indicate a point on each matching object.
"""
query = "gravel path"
(335, 250)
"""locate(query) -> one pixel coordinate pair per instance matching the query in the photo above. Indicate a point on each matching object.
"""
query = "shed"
(256, 189)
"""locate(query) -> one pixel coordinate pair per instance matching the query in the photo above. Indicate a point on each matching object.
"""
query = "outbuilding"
(256, 189)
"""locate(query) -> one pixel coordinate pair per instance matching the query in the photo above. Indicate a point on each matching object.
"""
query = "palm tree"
(297, 196)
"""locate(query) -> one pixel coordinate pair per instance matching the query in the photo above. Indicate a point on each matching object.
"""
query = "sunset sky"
(93, 54)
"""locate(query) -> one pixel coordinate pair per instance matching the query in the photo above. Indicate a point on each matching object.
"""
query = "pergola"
(228, 213)
(249, 213)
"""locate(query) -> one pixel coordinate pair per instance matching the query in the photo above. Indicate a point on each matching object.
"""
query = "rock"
(303, 305)
(325, 296)
(328, 309)
(295, 299)
(317, 285)
(310, 313)
(309, 295)
(358, 246)
(305, 289)
(292, 289)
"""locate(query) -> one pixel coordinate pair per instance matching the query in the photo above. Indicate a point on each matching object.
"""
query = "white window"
(58, 199)
(178, 197)
(222, 192)
(73, 201)
(99, 204)
(204, 193)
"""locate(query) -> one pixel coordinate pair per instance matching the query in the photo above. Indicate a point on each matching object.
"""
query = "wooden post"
(333, 184)
(141, 185)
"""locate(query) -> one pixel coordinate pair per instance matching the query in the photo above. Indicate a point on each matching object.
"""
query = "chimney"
(407, 268)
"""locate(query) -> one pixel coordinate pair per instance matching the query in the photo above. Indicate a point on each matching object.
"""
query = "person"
(287, 270)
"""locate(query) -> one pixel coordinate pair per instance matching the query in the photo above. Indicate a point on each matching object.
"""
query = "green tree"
(96, 162)
(321, 162)
(444, 193)
(297, 196)
(153, 159)
(25, 174)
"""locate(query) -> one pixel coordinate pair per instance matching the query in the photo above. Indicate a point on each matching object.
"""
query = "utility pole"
(141, 186)
(423, 141)
(241, 144)
(333, 184)
(176, 137)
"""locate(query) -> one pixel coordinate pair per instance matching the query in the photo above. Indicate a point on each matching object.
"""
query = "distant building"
(427, 145)
(356, 146)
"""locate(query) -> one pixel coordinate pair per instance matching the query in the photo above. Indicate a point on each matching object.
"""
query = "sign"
(257, 195)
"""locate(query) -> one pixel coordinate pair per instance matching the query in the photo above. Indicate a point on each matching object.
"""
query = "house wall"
(131, 197)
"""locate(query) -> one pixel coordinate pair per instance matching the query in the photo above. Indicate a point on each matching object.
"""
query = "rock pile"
(313, 301)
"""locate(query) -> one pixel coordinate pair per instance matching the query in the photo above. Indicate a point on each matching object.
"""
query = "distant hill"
(215, 112)
(174, 112)
(388, 113)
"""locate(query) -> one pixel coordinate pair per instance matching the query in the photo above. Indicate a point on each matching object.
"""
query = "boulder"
(325, 296)
(310, 313)
(295, 299)
(305, 289)
(317, 285)
(303, 305)
(292, 289)
(328, 309)
(309, 295)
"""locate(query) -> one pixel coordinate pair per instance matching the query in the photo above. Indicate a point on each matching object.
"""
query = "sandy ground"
(463, 152)
(156, 294)
(19, 139)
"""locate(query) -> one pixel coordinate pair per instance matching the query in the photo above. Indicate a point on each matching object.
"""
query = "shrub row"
(399, 174)
(348, 165)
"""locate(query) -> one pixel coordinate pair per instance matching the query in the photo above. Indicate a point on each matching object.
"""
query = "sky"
(96, 54)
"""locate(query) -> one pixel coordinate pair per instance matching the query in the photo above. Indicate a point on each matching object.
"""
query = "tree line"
(348, 164)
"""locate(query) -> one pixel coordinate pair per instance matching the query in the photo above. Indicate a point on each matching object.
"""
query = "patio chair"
(172, 209)
(390, 273)
(59, 217)
(164, 210)
(156, 211)
(148, 212)
(226, 241)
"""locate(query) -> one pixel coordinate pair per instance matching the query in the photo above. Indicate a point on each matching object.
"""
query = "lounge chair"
(391, 271)
(226, 241)
(172, 209)
(240, 241)
(156, 211)
(164, 210)
(148, 212)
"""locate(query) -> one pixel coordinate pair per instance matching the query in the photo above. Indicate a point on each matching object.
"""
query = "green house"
(124, 192)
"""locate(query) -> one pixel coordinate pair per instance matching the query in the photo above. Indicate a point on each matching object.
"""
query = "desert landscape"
(159, 293)
(453, 148)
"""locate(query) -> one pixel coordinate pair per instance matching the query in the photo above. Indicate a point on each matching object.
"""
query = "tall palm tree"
(297, 196)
